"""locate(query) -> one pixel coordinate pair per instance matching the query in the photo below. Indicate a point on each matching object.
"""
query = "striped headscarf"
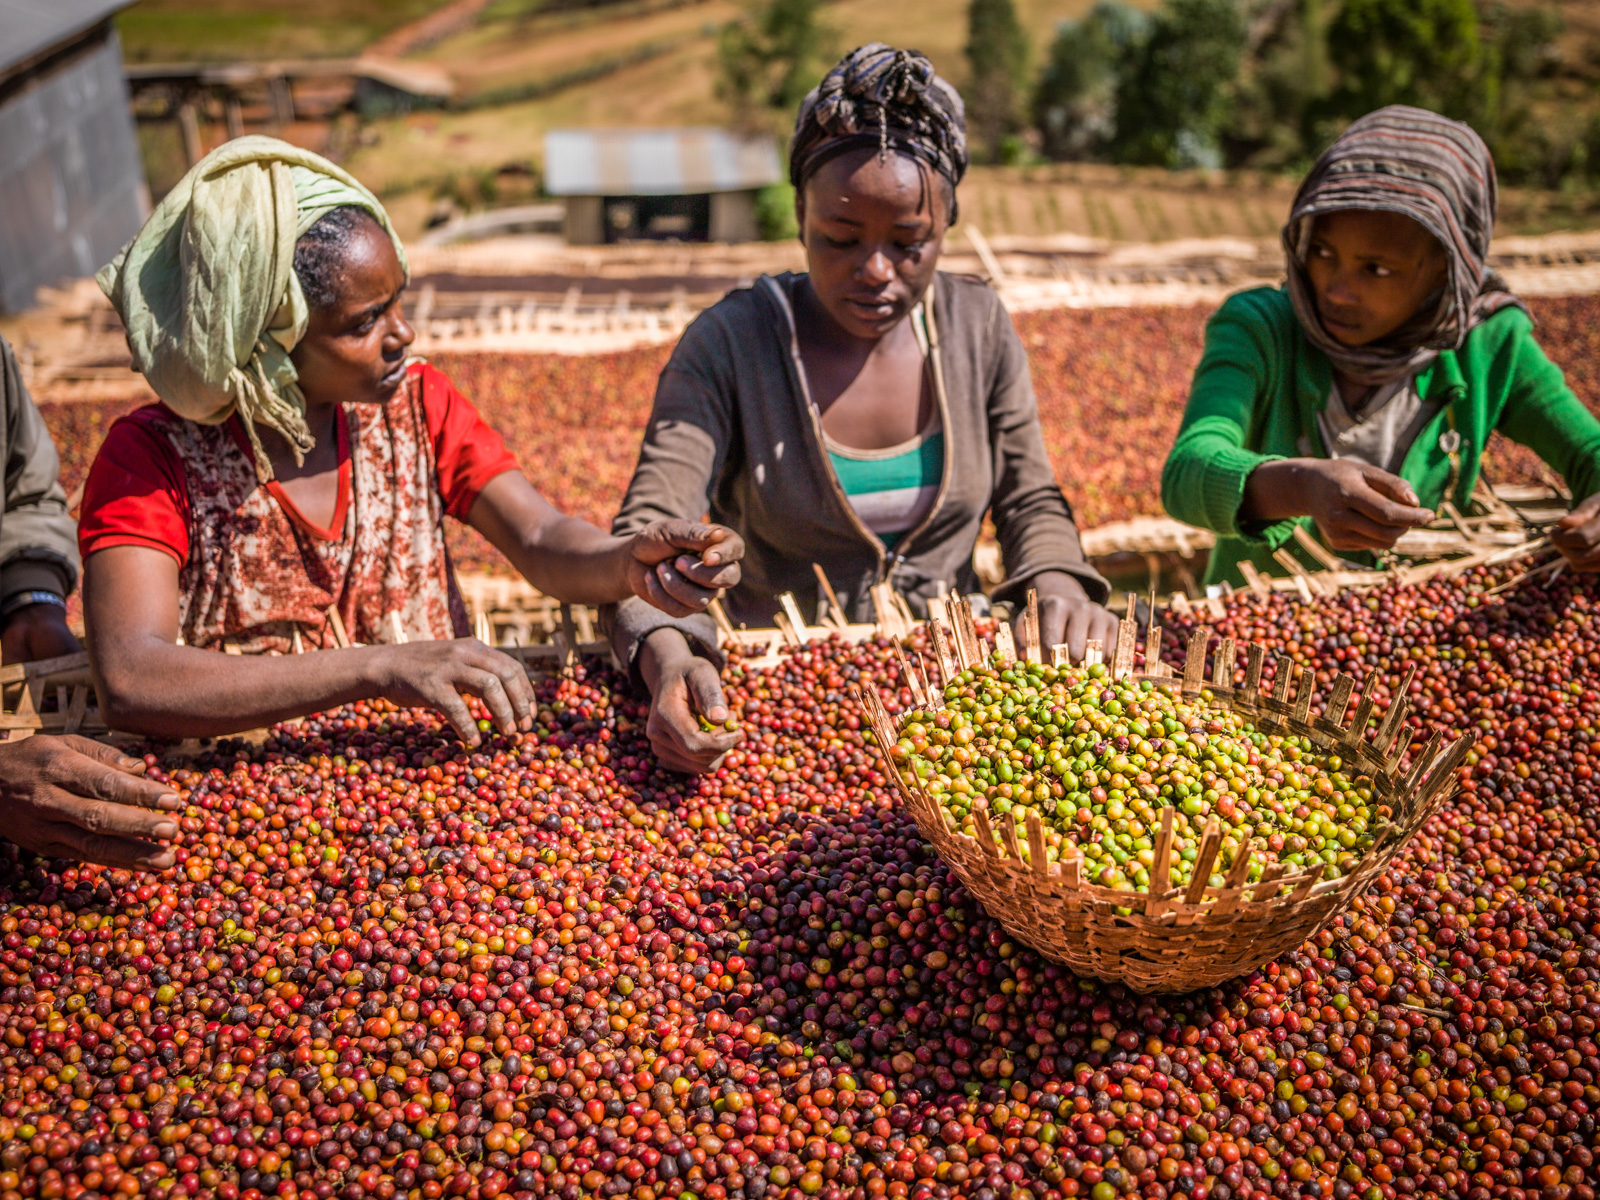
(1439, 173)
(884, 98)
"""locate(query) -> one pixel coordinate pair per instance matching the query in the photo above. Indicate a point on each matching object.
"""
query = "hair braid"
(879, 95)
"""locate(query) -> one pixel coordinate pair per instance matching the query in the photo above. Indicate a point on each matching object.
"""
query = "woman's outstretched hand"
(438, 675)
(1355, 505)
(680, 566)
(70, 797)
(1067, 615)
(683, 688)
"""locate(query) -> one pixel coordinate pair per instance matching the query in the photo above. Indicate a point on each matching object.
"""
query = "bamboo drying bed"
(1169, 939)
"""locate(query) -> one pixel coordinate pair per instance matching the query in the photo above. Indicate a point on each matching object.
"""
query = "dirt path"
(425, 31)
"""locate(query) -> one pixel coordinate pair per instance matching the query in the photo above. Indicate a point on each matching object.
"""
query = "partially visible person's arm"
(682, 454)
(38, 540)
(1038, 538)
(676, 566)
(148, 684)
(70, 797)
(1211, 460)
(1542, 413)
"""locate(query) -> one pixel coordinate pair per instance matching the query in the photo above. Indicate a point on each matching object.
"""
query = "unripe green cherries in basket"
(1098, 759)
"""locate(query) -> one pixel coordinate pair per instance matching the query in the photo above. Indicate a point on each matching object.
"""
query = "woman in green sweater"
(1360, 396)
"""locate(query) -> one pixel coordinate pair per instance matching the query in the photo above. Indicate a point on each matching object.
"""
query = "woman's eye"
(1381, 272)
(840, 243)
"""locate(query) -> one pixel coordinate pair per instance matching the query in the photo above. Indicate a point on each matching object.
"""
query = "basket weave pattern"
(1179, 939)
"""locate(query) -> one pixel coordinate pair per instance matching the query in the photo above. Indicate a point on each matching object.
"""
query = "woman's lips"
(871, 305)
(393, 377)
(1334, 321)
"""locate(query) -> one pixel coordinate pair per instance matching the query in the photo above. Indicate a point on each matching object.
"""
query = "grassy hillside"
(525, 67)
(219, 30)
(653, 62)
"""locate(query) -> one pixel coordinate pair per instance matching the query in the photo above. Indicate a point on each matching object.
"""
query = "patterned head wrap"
(1439, 173)
(886, 99)
(207, 289)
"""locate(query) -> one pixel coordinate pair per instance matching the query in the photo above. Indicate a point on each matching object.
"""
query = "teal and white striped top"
(891, 489)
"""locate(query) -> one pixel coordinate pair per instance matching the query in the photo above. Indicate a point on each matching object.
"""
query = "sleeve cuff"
(1222, 485)
(629, 623)
(1273, 536)
(34, 575)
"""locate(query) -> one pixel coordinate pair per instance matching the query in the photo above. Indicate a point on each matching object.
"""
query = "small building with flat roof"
(690, 185)
(72, 189)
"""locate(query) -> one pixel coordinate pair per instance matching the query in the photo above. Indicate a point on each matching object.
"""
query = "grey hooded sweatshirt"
(734, 433)
(38, 540)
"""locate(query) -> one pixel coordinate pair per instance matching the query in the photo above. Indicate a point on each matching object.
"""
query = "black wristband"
(23, 600)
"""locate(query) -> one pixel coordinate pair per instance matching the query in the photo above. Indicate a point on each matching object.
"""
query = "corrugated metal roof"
(28, 28)
(656, 162)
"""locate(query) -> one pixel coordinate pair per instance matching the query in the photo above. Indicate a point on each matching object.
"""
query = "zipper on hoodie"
(929, 330)
(816, 429)
(930, 341)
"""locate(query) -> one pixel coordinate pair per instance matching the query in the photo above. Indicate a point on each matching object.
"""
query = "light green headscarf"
(207, 289)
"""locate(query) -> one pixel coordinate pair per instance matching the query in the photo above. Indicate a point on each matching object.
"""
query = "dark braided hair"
(886, 99)
(319, 253)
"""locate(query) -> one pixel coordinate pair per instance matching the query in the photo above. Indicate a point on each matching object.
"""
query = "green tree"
(1284, 83)
(771, 59)
(997, 55)
(1074, 101)
(1421, 52)
(1531, 142)
(1172, 101)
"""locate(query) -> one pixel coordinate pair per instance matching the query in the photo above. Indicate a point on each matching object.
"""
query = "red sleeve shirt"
(137, 491)
(467, 450)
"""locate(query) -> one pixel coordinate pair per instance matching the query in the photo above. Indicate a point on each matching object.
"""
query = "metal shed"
(72, 188)
(692, 185)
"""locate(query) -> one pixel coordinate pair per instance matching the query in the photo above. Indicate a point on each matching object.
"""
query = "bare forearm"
(572, 561)
(159, 689)
(560, 555)
(676, 565)
(1276, 491)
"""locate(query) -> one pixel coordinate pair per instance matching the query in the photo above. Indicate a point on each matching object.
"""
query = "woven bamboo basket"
(1177, 939)
(50, 696)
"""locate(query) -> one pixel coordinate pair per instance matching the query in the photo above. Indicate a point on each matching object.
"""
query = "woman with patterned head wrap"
(1359, 397)
(294, 479)
(864, 416)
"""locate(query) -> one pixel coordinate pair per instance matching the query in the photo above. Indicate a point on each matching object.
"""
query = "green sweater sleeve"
(1204, 479)
(1542, 413)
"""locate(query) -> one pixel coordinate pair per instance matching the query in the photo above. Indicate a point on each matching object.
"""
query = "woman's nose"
(1339, 286)
(877, 268)
(401, 334)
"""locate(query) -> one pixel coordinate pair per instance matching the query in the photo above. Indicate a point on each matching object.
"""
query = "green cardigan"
(1260, 385)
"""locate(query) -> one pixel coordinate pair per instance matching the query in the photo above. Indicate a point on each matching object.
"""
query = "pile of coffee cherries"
(1096, 760)
(385, 966)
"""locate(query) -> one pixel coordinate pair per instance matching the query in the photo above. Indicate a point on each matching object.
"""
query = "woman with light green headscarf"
(289, 490)
(208, 293)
